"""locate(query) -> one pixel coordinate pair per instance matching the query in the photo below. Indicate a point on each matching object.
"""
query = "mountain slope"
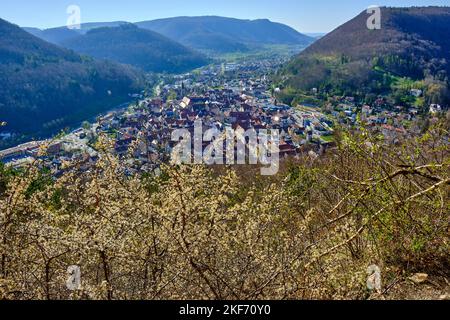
(413, 43)
(145, 49)
(61, 34)
(44, 87)
(54, 35)
(225, 34)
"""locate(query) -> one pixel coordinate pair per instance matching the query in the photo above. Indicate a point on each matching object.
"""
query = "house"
(416, 92)
(435, 108)
(366, 110)
(54, 148)
(287, 150)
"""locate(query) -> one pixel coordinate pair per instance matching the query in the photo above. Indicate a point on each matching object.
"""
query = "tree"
(195, 232)
(86, 125)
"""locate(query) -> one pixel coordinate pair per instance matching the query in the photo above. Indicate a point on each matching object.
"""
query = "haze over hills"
(54, 35)
(208, 33)
(316, 35)
(144, 49)
(61, 34)
(44, 87)
(412, 43)
(225, 34)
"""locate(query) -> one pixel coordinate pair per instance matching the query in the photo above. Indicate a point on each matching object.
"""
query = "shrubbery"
(218, 233)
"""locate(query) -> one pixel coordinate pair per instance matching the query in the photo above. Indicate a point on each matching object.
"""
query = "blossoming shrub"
(195, 232)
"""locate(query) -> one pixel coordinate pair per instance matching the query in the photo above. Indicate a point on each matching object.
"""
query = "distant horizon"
(174, 17)
(322, 16)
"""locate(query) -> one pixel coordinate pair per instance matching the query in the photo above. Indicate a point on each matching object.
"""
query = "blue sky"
(303, 15)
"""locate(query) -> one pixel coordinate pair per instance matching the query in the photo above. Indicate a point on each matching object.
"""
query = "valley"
(153, 157)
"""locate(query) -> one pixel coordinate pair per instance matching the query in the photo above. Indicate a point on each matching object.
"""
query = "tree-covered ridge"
(196, 233)
(54, 35)
(208, 33)
(44, 87)
(412, 43)
(59, 34)
(221, 34)
(141, 48)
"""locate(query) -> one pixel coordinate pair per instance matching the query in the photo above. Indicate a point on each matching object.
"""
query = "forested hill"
(60, 34)
(226, 34)
(44, 88)
(412, 42)
(144, 49)
(211, 34)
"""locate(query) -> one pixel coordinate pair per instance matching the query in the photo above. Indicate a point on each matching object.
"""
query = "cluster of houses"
(238, 96)
(392, 121)
(146, 129)
(233, 96)
(52, 154)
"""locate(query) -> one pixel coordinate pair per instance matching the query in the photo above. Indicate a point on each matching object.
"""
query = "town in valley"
(240, 95)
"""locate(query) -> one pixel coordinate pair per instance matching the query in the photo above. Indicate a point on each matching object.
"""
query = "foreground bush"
(195, 232)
